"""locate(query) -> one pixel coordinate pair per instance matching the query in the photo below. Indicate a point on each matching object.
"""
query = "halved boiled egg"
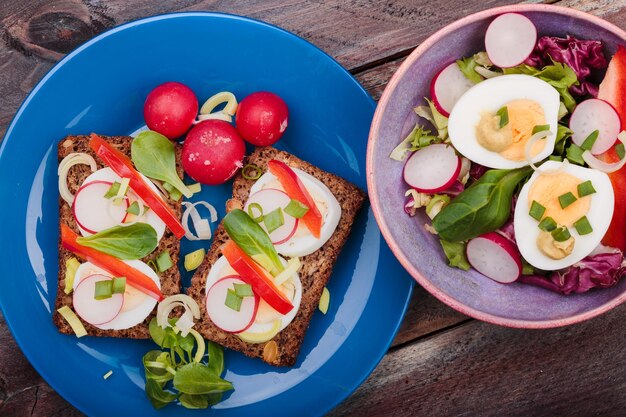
(137, 306)
(302, 242)
(493, 121)
(556, 188)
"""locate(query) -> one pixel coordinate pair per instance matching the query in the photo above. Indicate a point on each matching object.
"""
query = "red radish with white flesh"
(270, 199)
(432, 169)
(170, 109)
(262, 118)
(447, 87)
(224, 317)
(93, 212)
(510, 39)
(495, 257)
(595, 114)
(95, 312)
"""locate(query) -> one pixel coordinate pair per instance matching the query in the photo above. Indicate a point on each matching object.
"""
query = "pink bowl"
(514, 305)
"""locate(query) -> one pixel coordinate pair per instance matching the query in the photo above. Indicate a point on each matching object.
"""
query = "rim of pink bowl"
(397, 251)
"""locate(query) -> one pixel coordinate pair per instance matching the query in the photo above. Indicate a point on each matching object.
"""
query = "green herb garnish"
(233, 301)
(536, 210)
(103, 290)
(243, 290)
(133, 208)
(620, 151)
(296, 209)
(251, 208)
(590, 140)
(540, 128)
(548, 224)
(124, 242)
(585, 188)
(154, 156)
(164, 261)
(567, 200)
(273, 220)
(583, 227)
(561, 234)
(503, 113)
(113, 190)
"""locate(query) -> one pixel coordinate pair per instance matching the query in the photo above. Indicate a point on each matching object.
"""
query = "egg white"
(126, 318)
(221, 268)
(303, 242)
(107, 174)
(489, 96)
(599, 216)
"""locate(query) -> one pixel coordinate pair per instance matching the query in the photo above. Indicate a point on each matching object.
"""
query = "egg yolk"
(510, 141)
(547, 189)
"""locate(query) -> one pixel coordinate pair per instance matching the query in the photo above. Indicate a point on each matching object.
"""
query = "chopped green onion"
(73, 320)
(121, 192)
(251, 208)
(503, 113)
(133, 209)
(273, 220)
(590, 140)
(112, 191)
(557, 158)
(561, 234)
(548, 224)
(296, 209)
(164, 261)
(243, 290)
(194, 259)
(540, 128)
(251, 172)
(620, 151)
(583, 227)
(107, 375)
(324, 301)
(233, 301)
(195, 188)
(119, 285)
(585, 188)
(104, 290)
(567, 199)
(71, 265)
(575, 154)
(153, 265)
(536, 210)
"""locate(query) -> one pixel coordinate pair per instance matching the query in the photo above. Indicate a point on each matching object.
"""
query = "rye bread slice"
(315, 270)
(170, 279)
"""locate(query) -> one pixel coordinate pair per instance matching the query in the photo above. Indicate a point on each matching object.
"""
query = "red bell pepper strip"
(616, 235)
(123, 167)
(110, 264)
(296, 190)
(251, 273)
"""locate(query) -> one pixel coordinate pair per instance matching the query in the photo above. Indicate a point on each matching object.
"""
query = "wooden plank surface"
(441, 362)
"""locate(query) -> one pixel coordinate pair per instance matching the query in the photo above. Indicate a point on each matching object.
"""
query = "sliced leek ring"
(249, 337)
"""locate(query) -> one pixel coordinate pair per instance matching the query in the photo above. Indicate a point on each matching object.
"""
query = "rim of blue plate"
(62, 390)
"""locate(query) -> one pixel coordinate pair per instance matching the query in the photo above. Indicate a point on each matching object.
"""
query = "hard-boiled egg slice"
(545, 186)
(303, 242)
(265, 316)
(532, 102)
(107, 174)
(137, 305)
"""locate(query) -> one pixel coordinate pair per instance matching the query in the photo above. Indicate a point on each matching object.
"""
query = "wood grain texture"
(481, 369)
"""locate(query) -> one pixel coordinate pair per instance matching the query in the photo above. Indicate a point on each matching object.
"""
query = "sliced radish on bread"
(271, 199)
(224, 317)
(591, 115)
(510, 39)
(447, 87)
(93, 212)
(95, 312)
(433, 168)
(495, 257)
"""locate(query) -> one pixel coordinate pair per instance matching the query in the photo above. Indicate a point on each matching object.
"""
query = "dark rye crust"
(170, 279)
(315, 270)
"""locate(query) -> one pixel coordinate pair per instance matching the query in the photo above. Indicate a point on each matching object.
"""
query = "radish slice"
(447, 87)
(224, 317)
(510, 39)
(95, 312)
(93, 212)
(270, 199)
(432, 169)
(595, 114)
(495, 257)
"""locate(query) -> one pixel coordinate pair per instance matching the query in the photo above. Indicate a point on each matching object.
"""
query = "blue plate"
(101, 87)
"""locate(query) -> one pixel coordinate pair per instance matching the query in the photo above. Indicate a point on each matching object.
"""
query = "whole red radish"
(170, 109)
(262, 118)
(212, 152)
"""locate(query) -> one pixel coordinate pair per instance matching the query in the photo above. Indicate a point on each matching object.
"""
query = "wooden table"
(441, 362)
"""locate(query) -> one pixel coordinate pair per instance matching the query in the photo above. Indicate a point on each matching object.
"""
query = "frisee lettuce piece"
(467, 67)
(417, 139)
(455, 252)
